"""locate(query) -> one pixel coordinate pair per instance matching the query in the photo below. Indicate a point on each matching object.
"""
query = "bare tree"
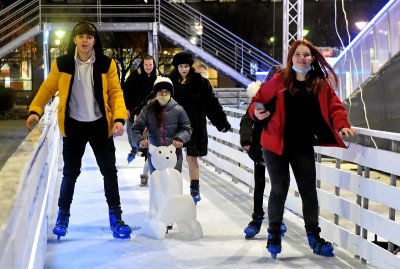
(126, 49)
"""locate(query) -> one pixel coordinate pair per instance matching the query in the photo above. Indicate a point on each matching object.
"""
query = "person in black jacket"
(195, 94)
(250, 134)
(137, 91)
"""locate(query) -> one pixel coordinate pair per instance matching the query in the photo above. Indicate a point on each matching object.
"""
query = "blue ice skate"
(117, 225)
(131, 155)
(254, 226)
(318, 244)
(62, 222)
(195, 193)
(274, 243)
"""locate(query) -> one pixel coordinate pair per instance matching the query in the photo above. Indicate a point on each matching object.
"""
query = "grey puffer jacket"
(175, 124)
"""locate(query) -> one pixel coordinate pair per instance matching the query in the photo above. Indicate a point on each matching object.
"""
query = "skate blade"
(121, 236)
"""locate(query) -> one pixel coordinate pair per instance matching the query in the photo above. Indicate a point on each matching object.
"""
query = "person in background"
(201, 68)
(250, 133)
(308, 113)
(166, 122)
(91, 110)
(137, 91)
(195, 94)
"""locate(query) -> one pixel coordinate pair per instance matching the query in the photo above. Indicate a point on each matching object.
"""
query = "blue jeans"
(302, 161)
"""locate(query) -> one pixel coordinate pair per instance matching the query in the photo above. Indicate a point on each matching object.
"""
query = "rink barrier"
(26, 194)
(360, 214)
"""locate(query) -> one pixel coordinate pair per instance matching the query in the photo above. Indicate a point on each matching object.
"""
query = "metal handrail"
(18, 18)
(369, 50)
(181, 18)
(214, 39)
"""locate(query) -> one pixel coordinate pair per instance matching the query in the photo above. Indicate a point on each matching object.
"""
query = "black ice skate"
(62, 222)
(318, 244)
(275, 234)
(254, 226)
(117, 225)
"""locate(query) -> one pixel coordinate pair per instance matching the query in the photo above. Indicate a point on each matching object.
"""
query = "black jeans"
(302, 161)
(78, 134)
(259, 186)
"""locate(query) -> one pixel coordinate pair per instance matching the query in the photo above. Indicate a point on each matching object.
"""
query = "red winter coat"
(332, 110)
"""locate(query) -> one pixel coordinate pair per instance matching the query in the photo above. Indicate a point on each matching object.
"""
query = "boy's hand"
(118, 129)
(33, 118)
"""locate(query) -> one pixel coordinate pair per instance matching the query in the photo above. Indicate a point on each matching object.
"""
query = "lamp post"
(58, 42)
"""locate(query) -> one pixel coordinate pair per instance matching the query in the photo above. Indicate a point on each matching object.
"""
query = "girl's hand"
(347, 132)
(261, 114)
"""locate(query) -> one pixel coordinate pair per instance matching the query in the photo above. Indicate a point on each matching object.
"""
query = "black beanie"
(163, 83)
(182, 58)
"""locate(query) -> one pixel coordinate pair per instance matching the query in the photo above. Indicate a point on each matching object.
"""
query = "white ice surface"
(223, 212)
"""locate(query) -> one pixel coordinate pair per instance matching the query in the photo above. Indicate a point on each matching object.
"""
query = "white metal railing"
(26, 194)
(232, 97)
(357, 191)
(370, 50)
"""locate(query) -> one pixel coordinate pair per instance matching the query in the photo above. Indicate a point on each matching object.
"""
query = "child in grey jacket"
(166, 122)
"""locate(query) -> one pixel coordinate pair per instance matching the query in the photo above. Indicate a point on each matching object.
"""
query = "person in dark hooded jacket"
(137, 91)
(250, 134)
(195, 94)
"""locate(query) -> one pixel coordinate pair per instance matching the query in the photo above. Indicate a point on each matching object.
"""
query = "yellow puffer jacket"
(107, 90)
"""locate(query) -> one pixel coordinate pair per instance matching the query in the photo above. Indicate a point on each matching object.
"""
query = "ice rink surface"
(223, 212)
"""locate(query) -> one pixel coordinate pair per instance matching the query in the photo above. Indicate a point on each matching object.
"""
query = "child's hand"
(144, 143)
(178, 144)
(246, 148)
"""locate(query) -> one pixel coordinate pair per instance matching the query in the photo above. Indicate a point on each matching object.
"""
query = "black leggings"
(259, 186)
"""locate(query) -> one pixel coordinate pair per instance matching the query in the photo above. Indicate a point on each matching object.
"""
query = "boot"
(61, 223)
(254, 226)
(275, 234)
(318, 244)
(117, 225)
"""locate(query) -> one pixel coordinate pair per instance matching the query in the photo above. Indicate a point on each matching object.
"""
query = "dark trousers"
(259, 186)
(302, 161)
(78, 134)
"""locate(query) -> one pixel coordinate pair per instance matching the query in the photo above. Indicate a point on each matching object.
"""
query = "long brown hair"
(320, 69)
(158, 111)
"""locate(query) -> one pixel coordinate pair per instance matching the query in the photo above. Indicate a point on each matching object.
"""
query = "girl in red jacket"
(308, 113)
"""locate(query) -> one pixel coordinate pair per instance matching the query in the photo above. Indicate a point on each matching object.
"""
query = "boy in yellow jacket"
(91, 110)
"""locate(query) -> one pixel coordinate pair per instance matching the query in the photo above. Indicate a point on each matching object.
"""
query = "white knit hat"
(163, 83)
